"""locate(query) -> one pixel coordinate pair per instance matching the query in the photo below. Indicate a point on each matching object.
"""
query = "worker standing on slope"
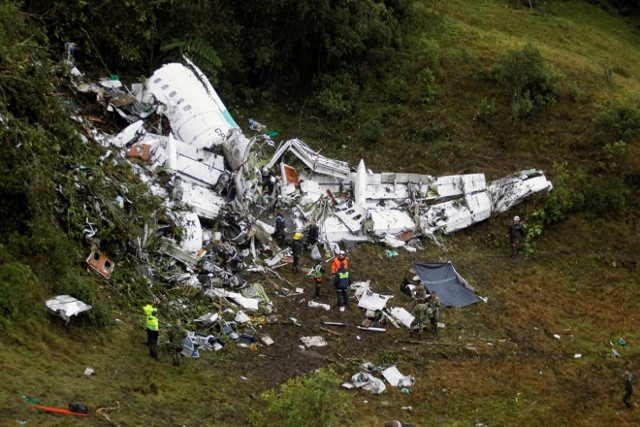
(318, 272)
(152, 331)
(296, 251)
(342, 281)
(340, 260)
(516, 234)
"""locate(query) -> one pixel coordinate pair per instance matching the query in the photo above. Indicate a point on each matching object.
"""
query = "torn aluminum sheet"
(402, 316)
(241, 317)
(314, 161)
(316, 341)
(168, 248)
(396, 379)
(314, 304)
(196, 114)
(205, 202)
(207, 319)
(373, 301)
(66, 306)
(368, 382)
(191, 241)
(509, 191)
(192, 164)
(250, 304)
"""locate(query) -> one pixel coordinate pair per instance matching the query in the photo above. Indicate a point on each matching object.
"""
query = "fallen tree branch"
(330, 331)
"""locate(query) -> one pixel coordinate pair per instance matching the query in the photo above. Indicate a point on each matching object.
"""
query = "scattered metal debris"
(66, 306)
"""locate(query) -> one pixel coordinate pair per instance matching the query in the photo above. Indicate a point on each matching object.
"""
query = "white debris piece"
(402, 316)
(66, 306)
(368, 382)
(314, 304)
(396, 379)
(316, 341)
(250, 304)
(373, 301)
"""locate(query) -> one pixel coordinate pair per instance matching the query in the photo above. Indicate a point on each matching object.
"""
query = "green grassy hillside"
(495, 363)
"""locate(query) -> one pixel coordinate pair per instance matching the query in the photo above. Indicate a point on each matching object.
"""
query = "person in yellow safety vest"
(318, 271)
(147, 309)
(296, 250)
(152, 332)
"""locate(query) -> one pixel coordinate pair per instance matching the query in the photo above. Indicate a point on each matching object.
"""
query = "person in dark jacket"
(628, 389)
(280, 228)
(342, 281)
(312, 234)
(516, 234)
(296, 250)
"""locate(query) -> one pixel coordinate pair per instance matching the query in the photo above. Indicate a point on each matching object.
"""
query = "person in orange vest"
(340, 260)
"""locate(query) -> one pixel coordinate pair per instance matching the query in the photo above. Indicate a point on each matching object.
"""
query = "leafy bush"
(309, 401)
(18, 288)
(335, 96)
(527, 79)
(486, 110)
(426, 92)
(565, 197)
(606, 196)
(372, 132)
(617, 123)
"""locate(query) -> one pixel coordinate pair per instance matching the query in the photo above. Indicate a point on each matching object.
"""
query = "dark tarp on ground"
(452, 289)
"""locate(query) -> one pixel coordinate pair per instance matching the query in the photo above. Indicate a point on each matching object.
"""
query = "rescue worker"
(296, 251)
(628, 389)
(175, 336)
(312, 234)
(152, 332)
(516, 234)
(318, 272)
(433, 311)
(281, 228)
(420, 309)
(147, 309)
(340, 260)
(342, 281)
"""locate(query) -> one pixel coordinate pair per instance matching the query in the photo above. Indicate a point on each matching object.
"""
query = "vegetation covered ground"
(467, 86)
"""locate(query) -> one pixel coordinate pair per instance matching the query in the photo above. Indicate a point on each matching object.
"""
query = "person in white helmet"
(516, 234)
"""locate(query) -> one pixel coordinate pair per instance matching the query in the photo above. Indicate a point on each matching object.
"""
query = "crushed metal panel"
(353, 217)
(390, 221)
(128, 134)
(66, 306)
(205, 202)
(246, 303)
(311, 192)
(509, 191)
(169, 249)
(396, 379)
(373, 301)
(402, 316)
(192, 231)
(101, 264)
(196, 118)
(335, 231)
(312, 159)
(236, 149)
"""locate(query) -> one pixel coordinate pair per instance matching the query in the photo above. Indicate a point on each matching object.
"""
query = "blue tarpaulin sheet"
(451, 288)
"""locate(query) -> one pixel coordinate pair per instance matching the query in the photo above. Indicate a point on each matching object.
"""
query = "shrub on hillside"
(334, 96)
(309, 401)
(528, 80)
(617, 123)
(19, 288)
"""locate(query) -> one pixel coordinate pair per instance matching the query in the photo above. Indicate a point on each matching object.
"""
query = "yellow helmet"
(148, 309)
(297, 236)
